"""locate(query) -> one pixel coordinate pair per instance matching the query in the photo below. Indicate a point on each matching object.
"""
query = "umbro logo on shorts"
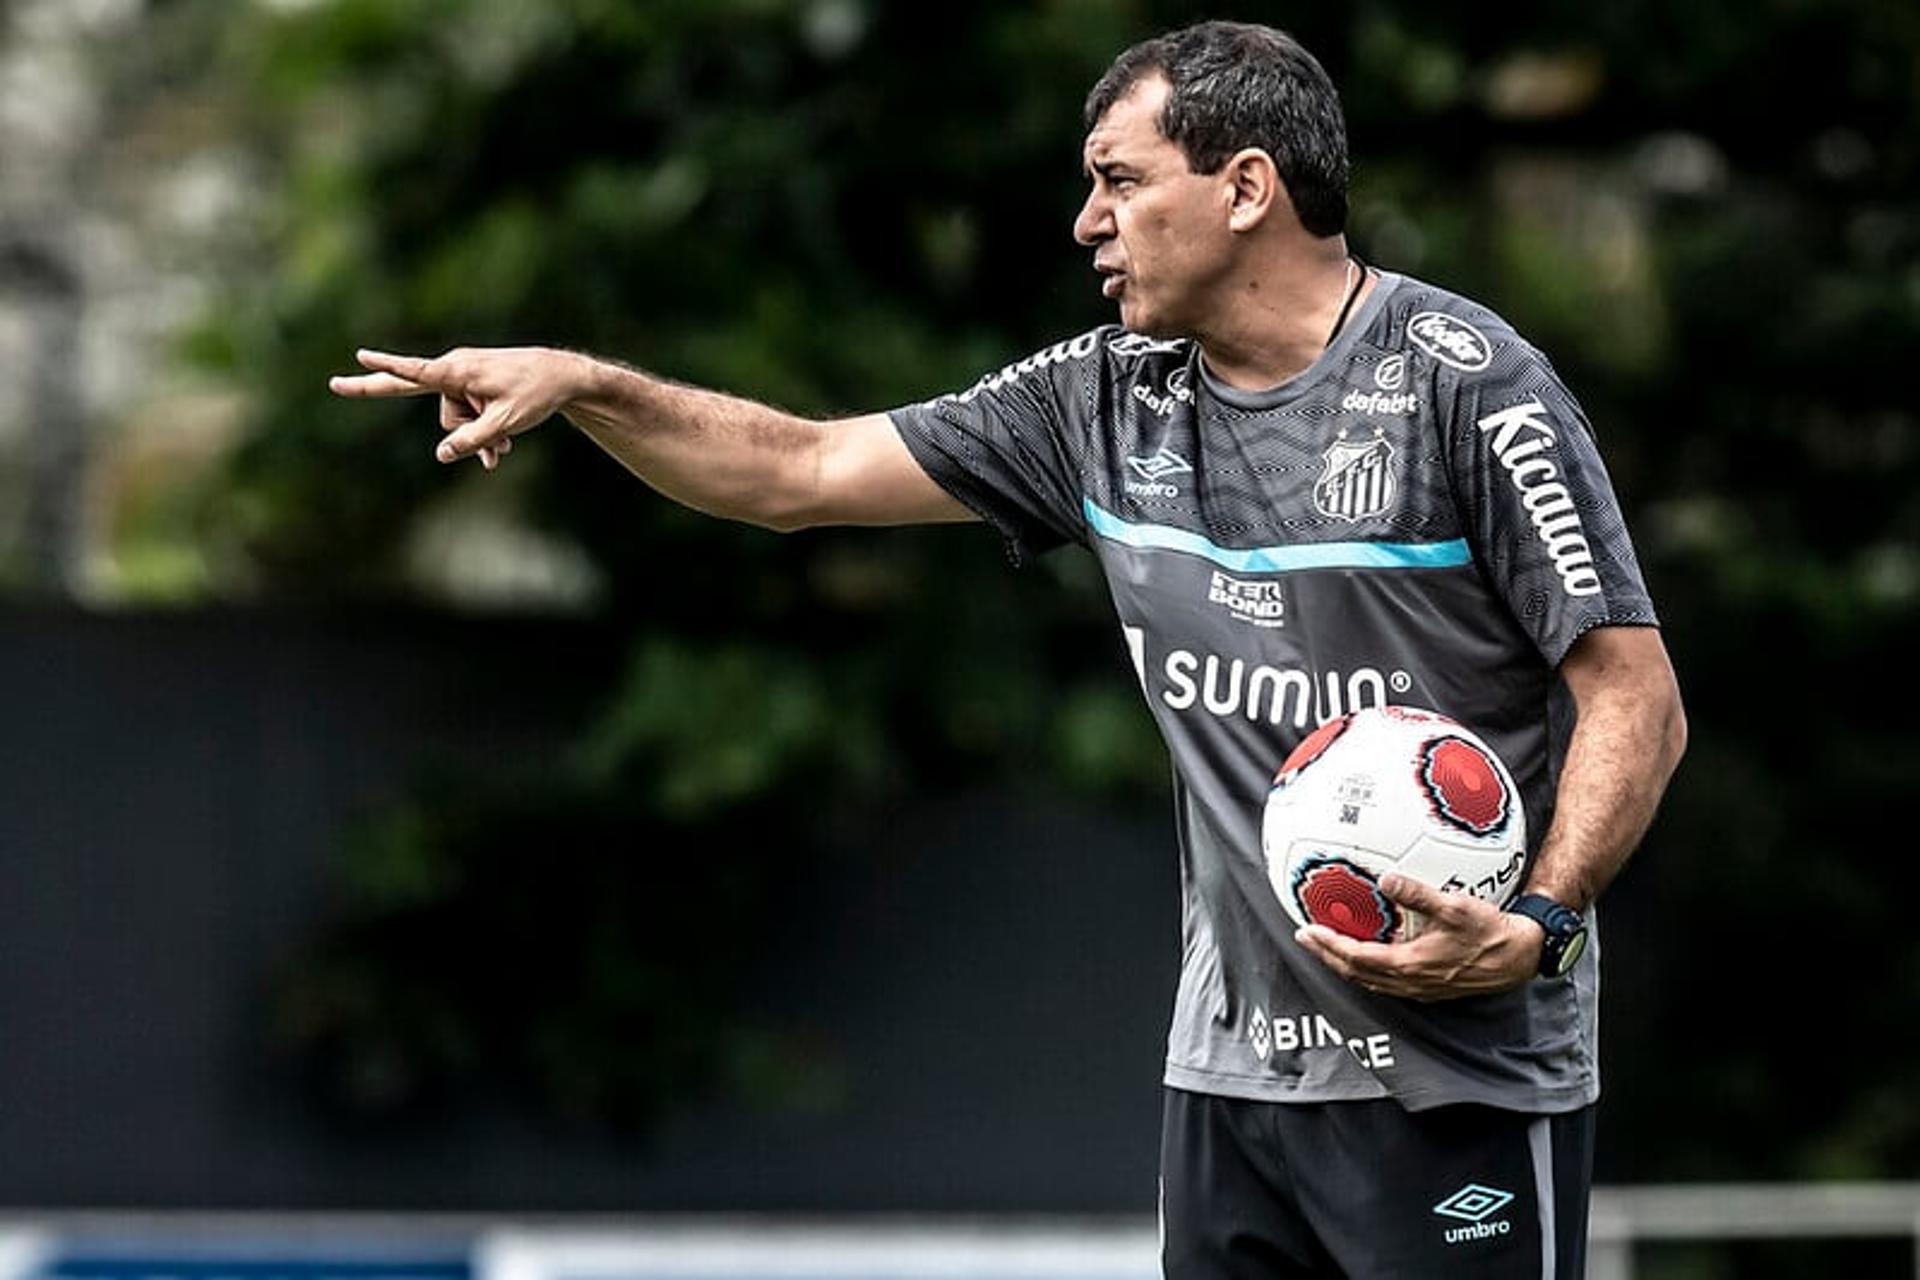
(1473, 1204)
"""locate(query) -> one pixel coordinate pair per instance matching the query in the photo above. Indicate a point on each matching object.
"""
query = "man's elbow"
(777, 518)
(791, 505)
(1675, 736)
(757, 506)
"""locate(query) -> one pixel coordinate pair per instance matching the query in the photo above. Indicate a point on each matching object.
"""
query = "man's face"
(1158, 230)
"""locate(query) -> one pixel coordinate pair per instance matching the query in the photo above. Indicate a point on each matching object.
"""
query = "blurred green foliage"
(1705, 213)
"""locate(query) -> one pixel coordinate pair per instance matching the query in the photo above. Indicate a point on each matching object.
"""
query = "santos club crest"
(1358, 483)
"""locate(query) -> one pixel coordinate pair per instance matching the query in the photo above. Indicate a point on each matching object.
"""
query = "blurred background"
(379, 835)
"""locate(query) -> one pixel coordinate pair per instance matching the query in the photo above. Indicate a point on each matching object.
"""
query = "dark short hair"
(1238, 85)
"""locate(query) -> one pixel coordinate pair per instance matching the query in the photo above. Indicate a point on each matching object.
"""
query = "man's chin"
(1138, 319)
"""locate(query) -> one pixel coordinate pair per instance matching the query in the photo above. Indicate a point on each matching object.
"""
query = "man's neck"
(1282, 315)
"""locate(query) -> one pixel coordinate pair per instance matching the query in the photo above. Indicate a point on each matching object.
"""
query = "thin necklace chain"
(1350, 289)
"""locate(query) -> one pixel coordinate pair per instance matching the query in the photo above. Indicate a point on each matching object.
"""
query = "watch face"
(1571, 956)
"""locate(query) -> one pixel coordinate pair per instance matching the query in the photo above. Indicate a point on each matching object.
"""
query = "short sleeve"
(1540, 511)
(1010, 447)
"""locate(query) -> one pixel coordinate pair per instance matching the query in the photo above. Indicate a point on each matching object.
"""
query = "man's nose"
(1095, 222)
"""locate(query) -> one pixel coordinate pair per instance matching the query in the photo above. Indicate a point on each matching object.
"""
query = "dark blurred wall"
(983, 993)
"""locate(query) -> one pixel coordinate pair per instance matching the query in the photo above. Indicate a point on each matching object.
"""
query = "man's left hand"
(1468, 947)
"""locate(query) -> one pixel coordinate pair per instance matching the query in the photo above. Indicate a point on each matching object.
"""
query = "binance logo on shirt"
(1260, 1034)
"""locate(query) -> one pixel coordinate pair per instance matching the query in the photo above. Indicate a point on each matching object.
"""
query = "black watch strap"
(1566, 932)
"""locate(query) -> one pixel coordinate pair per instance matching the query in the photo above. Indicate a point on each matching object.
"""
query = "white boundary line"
(757, 1250)
(22, 1252)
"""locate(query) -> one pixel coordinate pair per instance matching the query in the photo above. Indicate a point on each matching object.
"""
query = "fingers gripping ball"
(1390, 789)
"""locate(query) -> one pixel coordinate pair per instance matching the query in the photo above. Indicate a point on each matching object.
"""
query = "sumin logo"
(1227, 687)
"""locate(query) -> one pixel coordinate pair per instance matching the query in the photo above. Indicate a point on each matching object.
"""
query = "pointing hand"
(487, 395)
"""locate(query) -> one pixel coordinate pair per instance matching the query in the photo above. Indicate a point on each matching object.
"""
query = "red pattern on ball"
(1312, 747)
(1465, 785)
(1344, 898)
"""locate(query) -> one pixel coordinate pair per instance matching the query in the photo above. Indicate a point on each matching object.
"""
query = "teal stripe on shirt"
(1303, 555)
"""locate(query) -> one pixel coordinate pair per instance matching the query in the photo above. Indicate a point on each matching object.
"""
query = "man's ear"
(1254, 190)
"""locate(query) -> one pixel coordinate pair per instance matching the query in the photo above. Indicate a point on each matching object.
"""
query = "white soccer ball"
(1390, 789)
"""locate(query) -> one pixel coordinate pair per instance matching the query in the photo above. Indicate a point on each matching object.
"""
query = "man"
(1410, 482)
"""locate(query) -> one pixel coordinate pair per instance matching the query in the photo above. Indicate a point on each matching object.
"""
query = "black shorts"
(1370, 1190)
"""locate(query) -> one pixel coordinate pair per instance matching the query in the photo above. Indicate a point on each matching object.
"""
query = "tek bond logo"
(1248, 600)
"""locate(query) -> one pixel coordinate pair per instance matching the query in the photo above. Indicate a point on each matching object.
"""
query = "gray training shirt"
(1421, 517)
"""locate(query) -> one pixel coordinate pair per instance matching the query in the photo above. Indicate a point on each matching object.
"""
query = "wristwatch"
(1566, 932)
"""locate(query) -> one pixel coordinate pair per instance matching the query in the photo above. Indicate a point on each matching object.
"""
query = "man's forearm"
(713, 452)
(716, 453)
(1625, 745)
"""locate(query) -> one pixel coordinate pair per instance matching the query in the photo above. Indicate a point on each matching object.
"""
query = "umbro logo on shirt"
(1153, 471)
(1160, 465)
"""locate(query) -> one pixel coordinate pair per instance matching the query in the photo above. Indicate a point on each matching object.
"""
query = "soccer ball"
(1390, 789)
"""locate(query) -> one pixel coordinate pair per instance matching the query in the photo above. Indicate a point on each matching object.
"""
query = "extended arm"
(716, 453)
(1627, 739)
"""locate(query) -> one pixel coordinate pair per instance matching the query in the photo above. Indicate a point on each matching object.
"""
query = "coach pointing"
(1405, 485)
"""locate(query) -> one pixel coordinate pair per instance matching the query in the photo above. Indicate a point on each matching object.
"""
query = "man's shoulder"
(1459, 336)
(1125, 357)
(1121, 355)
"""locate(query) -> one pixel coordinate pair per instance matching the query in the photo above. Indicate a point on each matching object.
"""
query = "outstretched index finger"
(375, 384)
(431, 374)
